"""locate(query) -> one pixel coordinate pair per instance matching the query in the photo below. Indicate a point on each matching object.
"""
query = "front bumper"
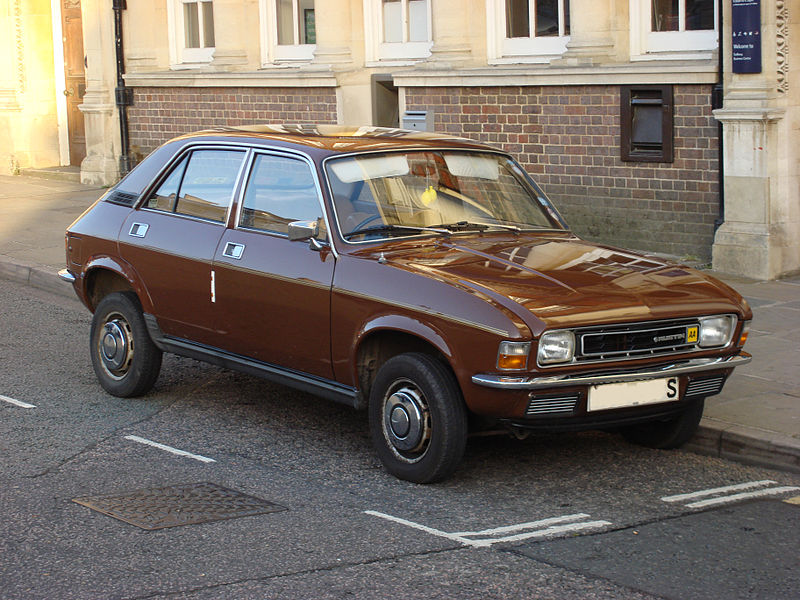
(684, 367)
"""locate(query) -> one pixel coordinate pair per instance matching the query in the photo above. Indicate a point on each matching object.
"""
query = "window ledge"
(268, 77)
(633, 73)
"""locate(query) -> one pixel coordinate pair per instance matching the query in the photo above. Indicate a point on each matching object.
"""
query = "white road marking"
(742, 496)
(136, 438)
(19, 403)
(544, 528)
(719, 490)
(550, 531)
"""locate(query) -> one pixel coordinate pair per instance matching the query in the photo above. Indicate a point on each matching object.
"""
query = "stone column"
(235, 25)
(334, 35)
(760, 236)
(451, 34)
(591, 39)
(101, 165)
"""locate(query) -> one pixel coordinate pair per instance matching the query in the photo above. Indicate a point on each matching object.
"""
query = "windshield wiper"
(390, 228)
(477, 226)
(463, 226)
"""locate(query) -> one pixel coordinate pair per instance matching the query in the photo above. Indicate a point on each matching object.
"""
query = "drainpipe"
(716, 102)
(123, 95)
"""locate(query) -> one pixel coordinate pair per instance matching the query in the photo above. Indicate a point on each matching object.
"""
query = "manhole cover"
(175, 505)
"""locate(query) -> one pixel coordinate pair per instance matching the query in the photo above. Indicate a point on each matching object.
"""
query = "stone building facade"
(609, 104)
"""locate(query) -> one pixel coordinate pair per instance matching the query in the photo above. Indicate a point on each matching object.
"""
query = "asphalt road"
(562, 516)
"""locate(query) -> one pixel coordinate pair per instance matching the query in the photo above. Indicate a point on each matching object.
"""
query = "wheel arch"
(390, 336)
(105, 275)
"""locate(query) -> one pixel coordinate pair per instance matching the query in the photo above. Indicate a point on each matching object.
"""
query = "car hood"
(561, 280)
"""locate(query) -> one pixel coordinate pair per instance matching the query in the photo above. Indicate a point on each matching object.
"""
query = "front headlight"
(716, 331)
(556, 347)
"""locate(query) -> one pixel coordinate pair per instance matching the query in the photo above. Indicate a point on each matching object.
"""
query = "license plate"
(632, 393)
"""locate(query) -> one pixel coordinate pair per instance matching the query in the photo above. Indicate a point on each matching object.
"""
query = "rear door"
(171, 239)
(272, 294)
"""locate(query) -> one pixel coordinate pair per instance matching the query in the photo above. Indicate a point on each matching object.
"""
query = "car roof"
(335, 139)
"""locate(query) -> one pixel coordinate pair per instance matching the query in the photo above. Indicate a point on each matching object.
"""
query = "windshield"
(400, 194)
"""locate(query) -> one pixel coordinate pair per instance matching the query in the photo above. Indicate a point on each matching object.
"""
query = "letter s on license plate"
(632, 393)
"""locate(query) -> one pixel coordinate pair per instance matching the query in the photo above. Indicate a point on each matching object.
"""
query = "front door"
(75, 77)
(272, 294)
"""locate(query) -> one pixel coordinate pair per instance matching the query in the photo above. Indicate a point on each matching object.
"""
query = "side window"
(280, 190)
(164, 197)
(208, 183)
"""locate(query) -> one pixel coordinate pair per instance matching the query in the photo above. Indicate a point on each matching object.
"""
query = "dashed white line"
(19, 403)
(543, 528)
(742, 496)
(720, 490)
(141, 440)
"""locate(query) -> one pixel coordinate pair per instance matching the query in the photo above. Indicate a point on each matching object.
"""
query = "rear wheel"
(672, 433)
(125, 359)
(417, 418)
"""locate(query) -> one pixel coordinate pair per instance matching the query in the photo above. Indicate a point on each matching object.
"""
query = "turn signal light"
(745, 332)
(513, 356)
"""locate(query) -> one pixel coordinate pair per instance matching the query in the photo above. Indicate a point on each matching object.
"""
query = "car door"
(273, 294)
(171, 239)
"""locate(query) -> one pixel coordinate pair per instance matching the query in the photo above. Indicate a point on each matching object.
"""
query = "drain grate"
(175, 505)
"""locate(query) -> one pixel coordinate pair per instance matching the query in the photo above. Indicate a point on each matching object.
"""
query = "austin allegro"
(422, 277)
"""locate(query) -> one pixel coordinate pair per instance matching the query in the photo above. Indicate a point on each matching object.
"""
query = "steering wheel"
(369, 219)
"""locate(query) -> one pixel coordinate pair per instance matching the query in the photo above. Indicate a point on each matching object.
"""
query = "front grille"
(552, 405)
(705, 387)
(638, 340)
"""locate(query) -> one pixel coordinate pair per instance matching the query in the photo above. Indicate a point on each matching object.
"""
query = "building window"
(646, 123)
(673, 28)
(191, 31)
(527, 30)
(290, 30)
(397, 30)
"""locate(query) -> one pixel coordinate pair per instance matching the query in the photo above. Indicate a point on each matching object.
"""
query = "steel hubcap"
(405, 419)
(115, 347)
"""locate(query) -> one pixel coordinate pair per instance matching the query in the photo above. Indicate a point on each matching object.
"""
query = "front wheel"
(125, 359)
(417, 418)
(672, 433)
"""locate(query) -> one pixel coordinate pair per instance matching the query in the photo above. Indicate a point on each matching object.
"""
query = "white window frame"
(393, 53)
(180, 56)
(669, 45)
(521, 50)
(273, 53)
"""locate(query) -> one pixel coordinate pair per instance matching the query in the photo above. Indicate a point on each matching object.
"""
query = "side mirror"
(300, 231)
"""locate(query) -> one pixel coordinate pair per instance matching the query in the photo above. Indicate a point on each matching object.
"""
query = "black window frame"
(632, 96)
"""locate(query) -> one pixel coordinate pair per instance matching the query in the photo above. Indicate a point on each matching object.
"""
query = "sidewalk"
(756, 419)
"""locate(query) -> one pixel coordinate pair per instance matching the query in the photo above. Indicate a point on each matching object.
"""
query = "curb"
(35, 276)
(746, 445)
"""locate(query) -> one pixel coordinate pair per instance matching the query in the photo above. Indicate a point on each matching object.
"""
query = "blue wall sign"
(746, 36)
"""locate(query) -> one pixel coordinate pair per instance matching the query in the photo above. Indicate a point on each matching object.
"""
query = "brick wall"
(159, 114)
(568, 138)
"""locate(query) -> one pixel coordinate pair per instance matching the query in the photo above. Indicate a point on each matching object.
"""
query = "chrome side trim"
(65, 275)
(694, 365)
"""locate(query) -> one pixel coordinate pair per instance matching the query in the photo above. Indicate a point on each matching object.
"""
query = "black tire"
(417, 418)
(672, 433)
(125, 359)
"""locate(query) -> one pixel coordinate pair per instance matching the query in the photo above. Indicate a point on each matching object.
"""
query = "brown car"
(426, 278)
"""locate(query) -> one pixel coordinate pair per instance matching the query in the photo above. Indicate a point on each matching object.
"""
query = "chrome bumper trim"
(694, 365)
(65, 275)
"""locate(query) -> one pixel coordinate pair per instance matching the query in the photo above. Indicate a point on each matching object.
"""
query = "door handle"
(69, 92)
(233, 250)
